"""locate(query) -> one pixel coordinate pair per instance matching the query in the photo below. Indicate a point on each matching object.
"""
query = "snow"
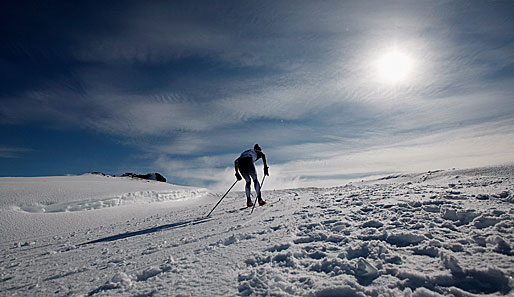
(438, 233)
(78, 201)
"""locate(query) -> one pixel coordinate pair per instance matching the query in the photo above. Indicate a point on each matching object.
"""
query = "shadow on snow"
(149, 230)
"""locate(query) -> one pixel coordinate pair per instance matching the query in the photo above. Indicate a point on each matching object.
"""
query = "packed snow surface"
(440, 233)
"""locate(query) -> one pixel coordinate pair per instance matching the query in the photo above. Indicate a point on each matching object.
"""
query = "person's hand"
(266, 172)
(238, 176)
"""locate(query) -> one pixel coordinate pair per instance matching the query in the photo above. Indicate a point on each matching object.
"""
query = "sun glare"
(394, 66)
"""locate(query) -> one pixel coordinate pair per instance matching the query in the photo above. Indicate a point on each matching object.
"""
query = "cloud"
(190, 85)
(12, 152)
(460, 148)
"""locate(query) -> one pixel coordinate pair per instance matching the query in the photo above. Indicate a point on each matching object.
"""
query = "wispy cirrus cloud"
(189, 84)
(329, 164)
(13, 152)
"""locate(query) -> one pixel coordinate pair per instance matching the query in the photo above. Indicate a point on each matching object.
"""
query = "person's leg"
(257, 188)
(245, 169)
(253, 174)
(248, 183)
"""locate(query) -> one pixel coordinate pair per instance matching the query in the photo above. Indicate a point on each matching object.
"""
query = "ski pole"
(256, 196)
(222, 198)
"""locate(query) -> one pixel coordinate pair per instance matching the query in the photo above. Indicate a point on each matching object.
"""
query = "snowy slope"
(444, 233)
(38, 206)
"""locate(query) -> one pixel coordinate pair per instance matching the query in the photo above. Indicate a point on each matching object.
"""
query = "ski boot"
(261, 202)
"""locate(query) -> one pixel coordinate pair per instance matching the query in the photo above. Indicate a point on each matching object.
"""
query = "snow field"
(39, 206)
(447, 233)
(72, 193)
(372, 246)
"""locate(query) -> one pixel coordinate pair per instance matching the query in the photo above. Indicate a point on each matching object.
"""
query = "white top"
(250, 154)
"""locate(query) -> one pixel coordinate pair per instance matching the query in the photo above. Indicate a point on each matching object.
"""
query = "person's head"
(257, 148)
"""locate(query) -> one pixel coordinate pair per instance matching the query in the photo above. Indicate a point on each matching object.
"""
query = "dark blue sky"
(330, 89)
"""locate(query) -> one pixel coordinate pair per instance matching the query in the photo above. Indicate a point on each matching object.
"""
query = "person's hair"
(257, 147)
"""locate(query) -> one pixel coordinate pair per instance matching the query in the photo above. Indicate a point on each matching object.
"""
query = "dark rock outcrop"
(149, 176)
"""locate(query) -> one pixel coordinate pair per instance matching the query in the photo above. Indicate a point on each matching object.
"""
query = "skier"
(244, 164)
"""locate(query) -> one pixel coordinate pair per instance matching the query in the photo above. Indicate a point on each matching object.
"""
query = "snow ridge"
(139, 197)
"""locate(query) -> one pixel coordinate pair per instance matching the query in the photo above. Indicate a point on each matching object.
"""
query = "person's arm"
(265, 165)
(238, 176)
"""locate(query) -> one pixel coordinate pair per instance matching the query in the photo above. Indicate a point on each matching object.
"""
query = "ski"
(247, 207)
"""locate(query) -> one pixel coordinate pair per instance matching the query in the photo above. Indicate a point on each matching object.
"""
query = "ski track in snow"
(445, 233)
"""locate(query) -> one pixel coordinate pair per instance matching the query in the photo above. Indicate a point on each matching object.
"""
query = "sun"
(394, 66)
